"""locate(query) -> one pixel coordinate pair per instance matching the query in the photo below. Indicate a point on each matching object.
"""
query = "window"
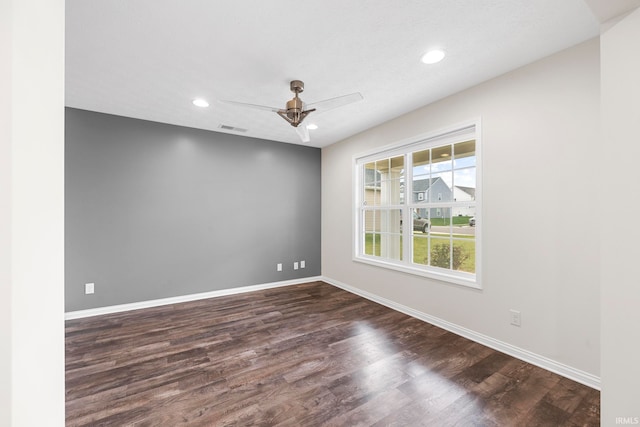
(417, 206)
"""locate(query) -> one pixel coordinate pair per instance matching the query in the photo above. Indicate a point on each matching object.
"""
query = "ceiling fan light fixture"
(433, 56)
(312, 126)
(200, 102)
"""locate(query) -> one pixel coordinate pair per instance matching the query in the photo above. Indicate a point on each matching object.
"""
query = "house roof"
(469, 190)
(421, 185)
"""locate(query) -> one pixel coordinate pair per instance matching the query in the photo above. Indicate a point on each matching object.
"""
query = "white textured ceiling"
(605, 10)
(149, 58)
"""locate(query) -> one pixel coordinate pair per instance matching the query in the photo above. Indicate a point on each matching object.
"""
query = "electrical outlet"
(89, 288)
(279, 267)
(295, 265)
(302, 264)
(516, 320)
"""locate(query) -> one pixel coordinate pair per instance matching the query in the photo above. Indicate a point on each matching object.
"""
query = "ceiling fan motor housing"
(294, 109)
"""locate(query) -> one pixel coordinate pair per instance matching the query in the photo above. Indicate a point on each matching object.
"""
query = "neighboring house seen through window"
(417, 206)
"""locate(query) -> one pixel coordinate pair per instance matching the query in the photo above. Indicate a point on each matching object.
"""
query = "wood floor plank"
(588, 411)
(303, 355)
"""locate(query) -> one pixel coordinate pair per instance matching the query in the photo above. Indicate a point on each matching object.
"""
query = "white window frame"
(453, 134)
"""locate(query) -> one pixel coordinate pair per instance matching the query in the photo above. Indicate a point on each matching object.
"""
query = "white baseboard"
(577, 375)
(183, 298)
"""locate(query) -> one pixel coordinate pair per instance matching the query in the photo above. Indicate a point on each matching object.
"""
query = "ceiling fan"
(296, 110)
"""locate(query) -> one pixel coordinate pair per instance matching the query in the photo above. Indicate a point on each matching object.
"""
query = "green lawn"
(457, 221)
(420, 248)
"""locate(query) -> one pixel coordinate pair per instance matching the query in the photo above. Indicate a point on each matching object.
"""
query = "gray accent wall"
(154, 210)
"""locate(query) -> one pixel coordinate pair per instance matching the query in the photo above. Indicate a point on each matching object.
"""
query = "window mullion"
(407, 228)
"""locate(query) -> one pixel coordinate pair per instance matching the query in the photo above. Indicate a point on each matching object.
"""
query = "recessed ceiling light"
(312, 126)
(433, 56)
(199, 102)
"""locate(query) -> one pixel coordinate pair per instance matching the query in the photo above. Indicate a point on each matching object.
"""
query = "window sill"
(457, 278)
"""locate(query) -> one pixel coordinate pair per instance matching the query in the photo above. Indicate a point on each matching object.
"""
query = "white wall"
(5, 215)
(540, 249)
(31, 218)
(620, 283)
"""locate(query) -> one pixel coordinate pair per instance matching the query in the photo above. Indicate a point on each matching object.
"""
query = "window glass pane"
(441, 175)
(372, 196)
(372, 244)
(464, 255)
(421, 221)
(384, 193)
(464, 184)
(464, 154)
(390, 192)
(371, 221)
(440, 187)
(396, 196)
(397, 166)
(421, 164)
(463, 224)
(440, 220)
(421, 189)
(390, 220)
(441, 159)
(396, 181)
(421, 176)
(420, 249)
(382, 170)
(391, 246)
(382, 167)
(440, 253)
(370, 174)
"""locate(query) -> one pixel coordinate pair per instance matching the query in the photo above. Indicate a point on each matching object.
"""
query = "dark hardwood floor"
(302, 355)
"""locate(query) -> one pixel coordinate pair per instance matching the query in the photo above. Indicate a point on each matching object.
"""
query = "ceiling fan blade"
(303, 133)
(255, 106)
(330, 104)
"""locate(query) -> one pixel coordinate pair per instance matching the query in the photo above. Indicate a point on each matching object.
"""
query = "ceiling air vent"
(232, 128)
